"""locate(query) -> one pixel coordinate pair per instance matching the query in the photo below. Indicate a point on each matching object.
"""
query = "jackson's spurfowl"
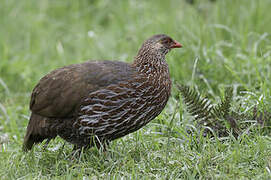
(98, 101)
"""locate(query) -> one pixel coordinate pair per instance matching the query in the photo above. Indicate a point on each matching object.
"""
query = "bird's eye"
(166, 41)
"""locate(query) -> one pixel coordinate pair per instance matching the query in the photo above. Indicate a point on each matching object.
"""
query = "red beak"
(176, 45)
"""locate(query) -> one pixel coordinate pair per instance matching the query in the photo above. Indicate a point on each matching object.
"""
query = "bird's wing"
(59, 93)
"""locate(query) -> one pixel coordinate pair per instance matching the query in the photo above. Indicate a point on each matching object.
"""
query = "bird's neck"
(151, 63)
(155, 69)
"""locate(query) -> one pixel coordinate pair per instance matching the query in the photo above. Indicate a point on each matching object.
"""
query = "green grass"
(225, 43)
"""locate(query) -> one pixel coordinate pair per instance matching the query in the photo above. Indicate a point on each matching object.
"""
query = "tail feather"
(38, 129)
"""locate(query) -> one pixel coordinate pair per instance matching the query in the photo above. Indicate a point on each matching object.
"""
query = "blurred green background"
(38, 36)
(226, 42)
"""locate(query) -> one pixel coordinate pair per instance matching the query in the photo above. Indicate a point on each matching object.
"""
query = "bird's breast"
(123, 108)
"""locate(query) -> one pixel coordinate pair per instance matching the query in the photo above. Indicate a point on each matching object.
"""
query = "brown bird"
(98, 101)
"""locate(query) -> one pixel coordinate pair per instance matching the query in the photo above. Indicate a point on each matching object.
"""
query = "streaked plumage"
(101, 99)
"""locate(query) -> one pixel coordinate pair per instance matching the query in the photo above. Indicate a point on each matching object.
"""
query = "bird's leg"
(77, 150)
(105, 145)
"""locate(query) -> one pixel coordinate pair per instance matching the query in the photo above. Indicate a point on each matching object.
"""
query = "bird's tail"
(38, 129)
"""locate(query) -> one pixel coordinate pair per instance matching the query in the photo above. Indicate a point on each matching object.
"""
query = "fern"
(221, 118)
(217, 117)
(222, 110)
(198, 107)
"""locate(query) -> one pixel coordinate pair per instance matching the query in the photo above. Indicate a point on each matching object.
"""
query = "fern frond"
(220, 118)
(222, 110)
(198, 107)
(207, 114)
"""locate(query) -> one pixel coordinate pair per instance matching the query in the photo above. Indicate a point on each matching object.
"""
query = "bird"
(94, 102)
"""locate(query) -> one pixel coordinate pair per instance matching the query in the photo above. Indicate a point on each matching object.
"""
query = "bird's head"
(159, 44)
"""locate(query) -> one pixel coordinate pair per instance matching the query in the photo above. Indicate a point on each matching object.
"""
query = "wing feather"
(59, 93)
